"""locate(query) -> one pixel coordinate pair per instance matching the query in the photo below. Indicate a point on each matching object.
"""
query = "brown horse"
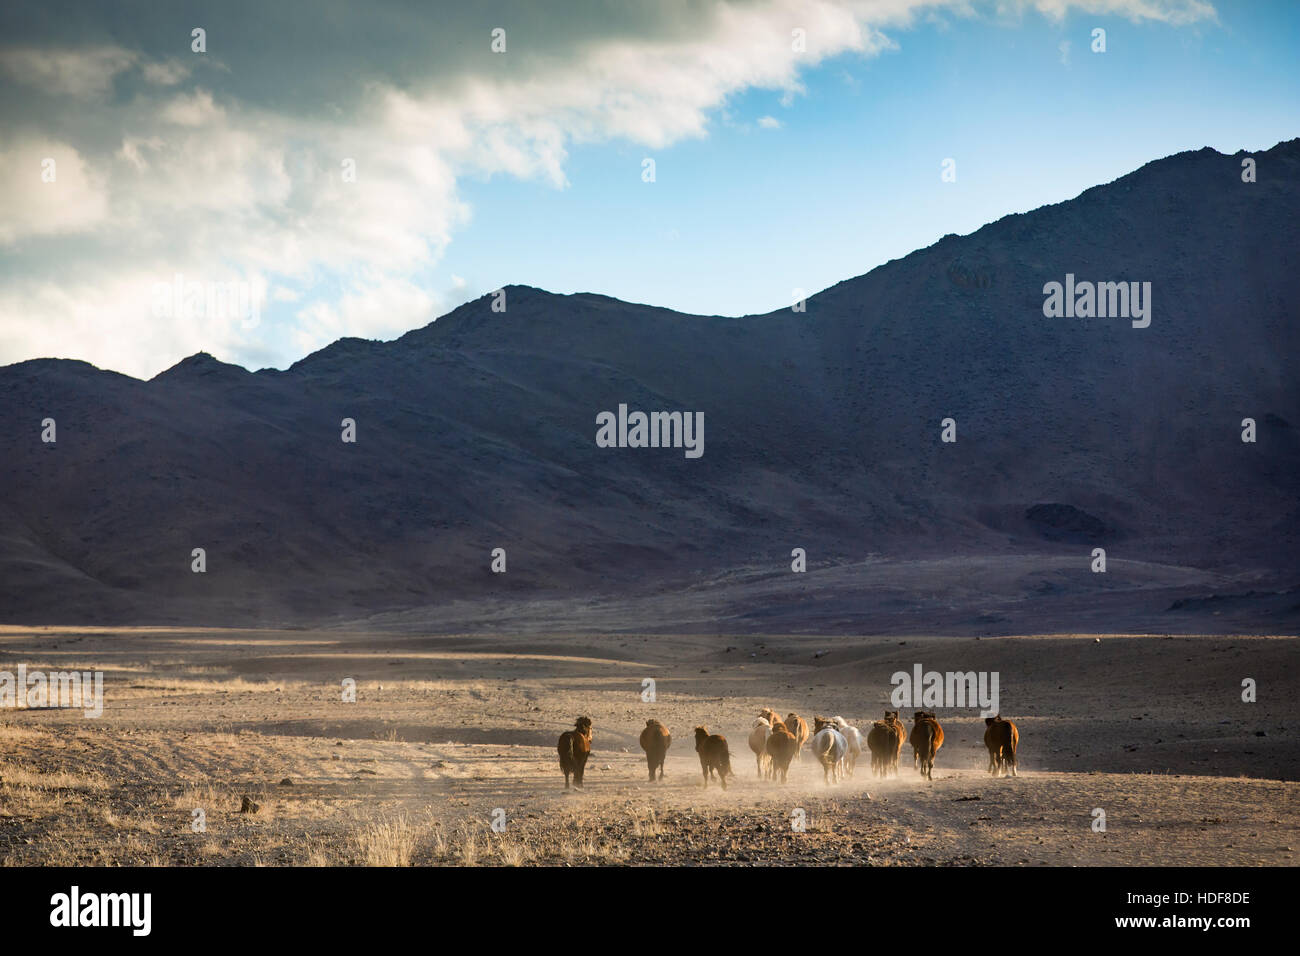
(799, 727)
(655, 740)
(885, 741)
(781, 747)
(714, 755)
(574, 747)
(1002, 738)
(927, 738)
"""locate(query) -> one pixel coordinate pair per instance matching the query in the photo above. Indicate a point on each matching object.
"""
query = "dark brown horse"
(714, 755)
(655, 740)
(885, 741)
(1002, 738)
(927, 738)
(574, 748)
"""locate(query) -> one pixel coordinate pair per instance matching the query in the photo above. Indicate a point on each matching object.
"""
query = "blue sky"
(775, 169)
(738, 219)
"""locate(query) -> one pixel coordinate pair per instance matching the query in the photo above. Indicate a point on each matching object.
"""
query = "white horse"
(853, 737)
(830, 747)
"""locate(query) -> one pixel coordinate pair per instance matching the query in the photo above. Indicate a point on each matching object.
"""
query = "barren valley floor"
(447, 730)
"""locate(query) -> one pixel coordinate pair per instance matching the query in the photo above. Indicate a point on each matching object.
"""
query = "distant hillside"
(822, 431)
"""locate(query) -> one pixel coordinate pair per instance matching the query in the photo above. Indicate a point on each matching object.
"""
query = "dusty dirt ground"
(447, 730)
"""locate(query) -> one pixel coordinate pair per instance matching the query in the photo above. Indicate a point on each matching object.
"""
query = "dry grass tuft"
(387, 843)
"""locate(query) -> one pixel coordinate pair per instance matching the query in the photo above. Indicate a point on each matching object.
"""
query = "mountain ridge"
(1284, 148)
(477, 430)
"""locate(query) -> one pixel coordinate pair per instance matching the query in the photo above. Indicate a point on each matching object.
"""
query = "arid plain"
(448, 732)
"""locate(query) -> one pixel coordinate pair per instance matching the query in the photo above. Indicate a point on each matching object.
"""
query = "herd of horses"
(775, 742)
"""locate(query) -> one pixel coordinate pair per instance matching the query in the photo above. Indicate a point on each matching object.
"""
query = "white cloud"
(167, 73)
(79, 73)
(84, 73)
(378, 306)
(769, 122)
(1174, 12)
(195, 109)
(74, 202)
